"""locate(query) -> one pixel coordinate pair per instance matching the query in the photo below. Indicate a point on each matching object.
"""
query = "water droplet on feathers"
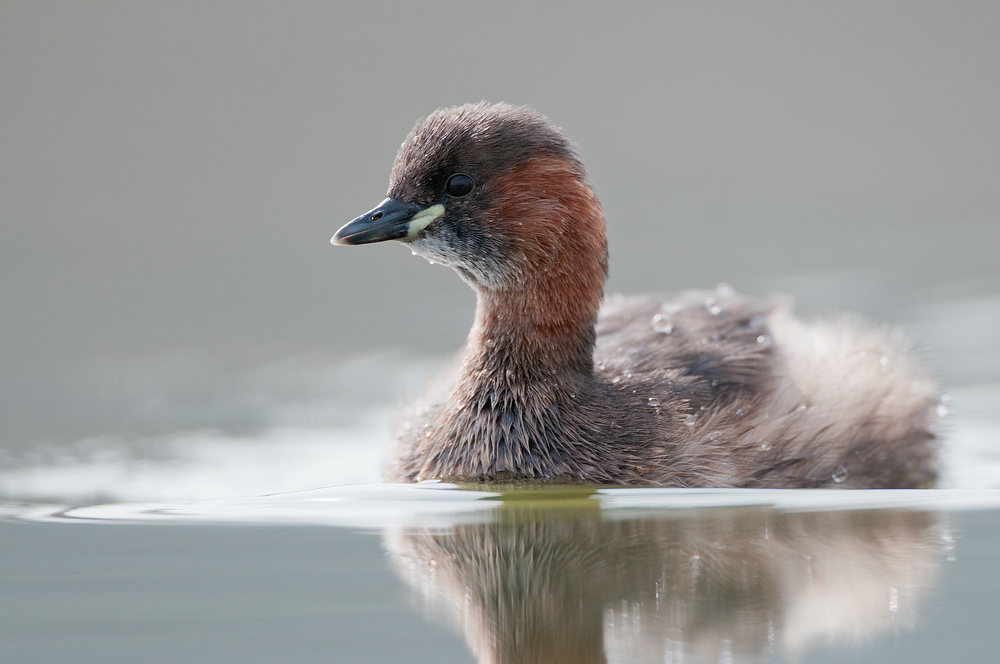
(839, 475)
(663, 323)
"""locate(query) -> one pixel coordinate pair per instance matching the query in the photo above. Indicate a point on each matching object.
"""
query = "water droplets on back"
(663, 323)
(943, 405)
(839, 475)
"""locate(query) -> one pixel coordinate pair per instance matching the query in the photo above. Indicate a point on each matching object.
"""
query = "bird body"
(704, 388)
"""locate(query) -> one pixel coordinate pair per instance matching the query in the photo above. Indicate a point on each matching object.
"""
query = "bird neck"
(541, 327)
(530, 335)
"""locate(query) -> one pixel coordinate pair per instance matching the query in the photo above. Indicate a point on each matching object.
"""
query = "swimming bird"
(700, 389)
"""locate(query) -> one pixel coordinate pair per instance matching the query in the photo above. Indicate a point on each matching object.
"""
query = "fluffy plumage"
(699, 389)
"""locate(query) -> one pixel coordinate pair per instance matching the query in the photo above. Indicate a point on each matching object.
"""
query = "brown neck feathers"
(543, 319)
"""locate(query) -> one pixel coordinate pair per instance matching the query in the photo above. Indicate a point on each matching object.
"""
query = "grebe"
(706, 388)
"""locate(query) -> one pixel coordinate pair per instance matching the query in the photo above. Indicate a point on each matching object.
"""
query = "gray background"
(170, 175)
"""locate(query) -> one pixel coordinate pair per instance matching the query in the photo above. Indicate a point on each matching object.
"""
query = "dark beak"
(391, 220)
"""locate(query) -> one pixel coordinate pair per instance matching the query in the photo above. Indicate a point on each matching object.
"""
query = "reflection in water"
(566, 584)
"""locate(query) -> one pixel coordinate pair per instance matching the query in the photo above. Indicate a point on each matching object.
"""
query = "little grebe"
(700, 389)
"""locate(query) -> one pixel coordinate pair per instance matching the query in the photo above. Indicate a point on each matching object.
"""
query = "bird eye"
(459, 185)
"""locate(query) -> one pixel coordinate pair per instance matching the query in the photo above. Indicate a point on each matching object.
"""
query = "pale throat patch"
(422, 219)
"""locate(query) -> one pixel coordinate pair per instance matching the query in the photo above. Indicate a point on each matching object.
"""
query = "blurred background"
(175, 324)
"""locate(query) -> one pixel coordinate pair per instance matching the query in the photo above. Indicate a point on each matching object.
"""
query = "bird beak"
(391, 220)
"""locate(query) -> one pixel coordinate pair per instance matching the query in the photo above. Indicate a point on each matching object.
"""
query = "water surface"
(557, 574)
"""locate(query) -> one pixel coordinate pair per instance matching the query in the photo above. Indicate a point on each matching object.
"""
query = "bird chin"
(433, 250)
(488, 274)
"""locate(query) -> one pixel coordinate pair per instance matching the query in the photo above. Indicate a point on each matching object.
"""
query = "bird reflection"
(570, 584)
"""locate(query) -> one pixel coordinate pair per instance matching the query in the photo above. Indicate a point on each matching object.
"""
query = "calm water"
(432, 573)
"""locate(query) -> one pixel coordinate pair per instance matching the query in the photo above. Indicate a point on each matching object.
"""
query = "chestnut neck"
(540, 326)
(510, 337)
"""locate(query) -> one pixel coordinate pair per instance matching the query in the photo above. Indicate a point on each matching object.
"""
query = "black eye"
(459, 185)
